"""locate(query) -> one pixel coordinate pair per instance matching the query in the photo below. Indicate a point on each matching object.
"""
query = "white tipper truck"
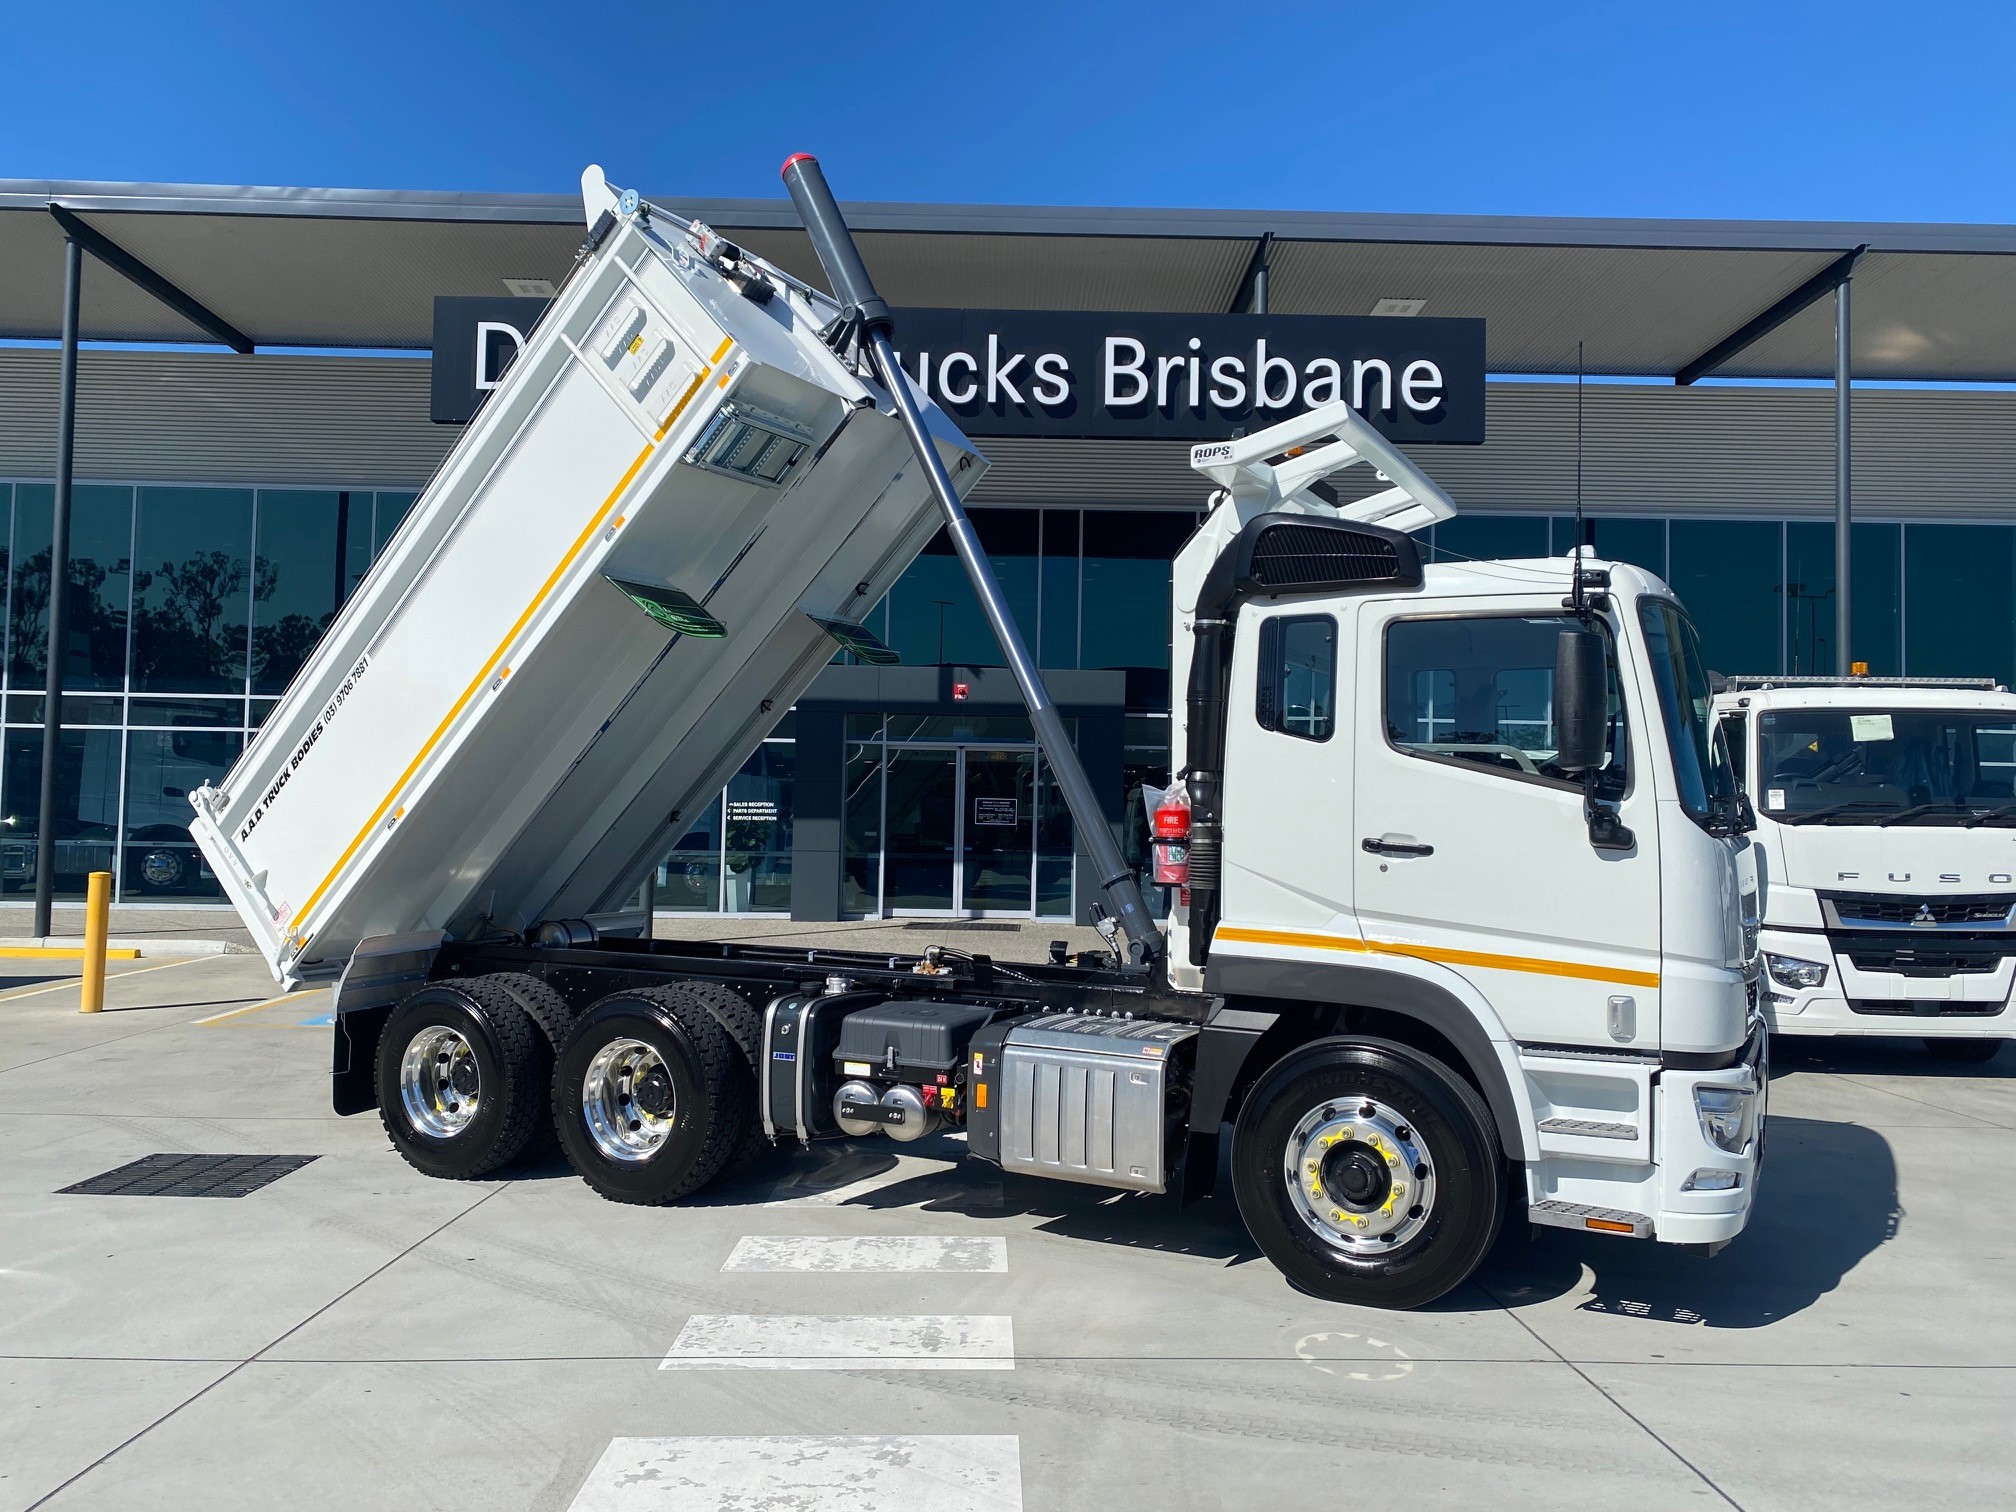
(1886, 819)
(1462, 917)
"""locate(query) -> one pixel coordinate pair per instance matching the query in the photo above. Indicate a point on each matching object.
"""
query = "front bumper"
(1974, 1005)
(1694, 1204)
(1670, 1180)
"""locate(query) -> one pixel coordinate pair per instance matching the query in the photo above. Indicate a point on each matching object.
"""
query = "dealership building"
(269, 377)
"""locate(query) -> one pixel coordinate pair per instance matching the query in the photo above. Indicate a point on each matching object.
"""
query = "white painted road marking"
(798, 1342)
(883, 1252)
(951, 1473)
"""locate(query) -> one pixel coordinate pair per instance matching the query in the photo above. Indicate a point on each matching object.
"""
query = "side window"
(1298, 676)
(1479, 689)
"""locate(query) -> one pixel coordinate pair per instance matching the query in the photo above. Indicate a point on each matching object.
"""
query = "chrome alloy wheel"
(628, 1100)
(438, 1082)
(1359, 1176)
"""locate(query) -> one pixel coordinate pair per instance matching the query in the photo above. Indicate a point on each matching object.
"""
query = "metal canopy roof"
(359, 268)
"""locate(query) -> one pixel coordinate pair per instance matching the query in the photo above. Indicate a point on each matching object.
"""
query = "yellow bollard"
(97, 915)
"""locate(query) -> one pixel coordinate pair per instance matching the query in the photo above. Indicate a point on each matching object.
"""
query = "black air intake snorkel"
(1273, 554)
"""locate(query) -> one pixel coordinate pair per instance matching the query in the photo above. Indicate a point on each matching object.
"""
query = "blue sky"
(1773, 110)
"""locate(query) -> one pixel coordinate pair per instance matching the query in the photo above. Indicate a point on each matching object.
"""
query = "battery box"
(911, 1041)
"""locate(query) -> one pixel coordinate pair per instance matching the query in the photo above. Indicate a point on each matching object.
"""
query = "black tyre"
(1963, 1052)
(1368, 1173)
(540, 1003)
(463, 1072)
(744, 1026)
(651, 1096)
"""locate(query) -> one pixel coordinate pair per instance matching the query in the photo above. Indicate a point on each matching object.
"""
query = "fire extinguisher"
(1172, 838)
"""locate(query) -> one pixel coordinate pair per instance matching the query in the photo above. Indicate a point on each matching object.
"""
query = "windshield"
(1700, 760)
(1887, 766)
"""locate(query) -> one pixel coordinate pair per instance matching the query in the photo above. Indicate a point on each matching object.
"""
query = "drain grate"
(190, 1176)
(961, 926)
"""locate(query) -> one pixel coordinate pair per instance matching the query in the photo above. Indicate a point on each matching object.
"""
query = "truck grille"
(1924, 955)
(1888, 910)
(1891, 1009)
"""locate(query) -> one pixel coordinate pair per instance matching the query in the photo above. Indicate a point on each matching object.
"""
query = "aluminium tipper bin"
(604, 600)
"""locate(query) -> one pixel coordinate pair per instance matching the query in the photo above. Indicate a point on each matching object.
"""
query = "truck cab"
(1400, 834)
(1884, 809)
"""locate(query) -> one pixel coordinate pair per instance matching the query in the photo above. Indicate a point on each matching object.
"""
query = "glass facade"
(190, 608)
(1929, 600)
(187, 607)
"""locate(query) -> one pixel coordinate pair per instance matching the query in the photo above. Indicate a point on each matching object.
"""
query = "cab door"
(1470, 848)
(1288, 759)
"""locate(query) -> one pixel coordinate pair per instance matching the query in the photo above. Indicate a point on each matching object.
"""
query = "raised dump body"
(609, 593)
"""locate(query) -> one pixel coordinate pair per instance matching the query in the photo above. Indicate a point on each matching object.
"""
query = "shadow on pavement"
(1828, 1197)
(1856, 1056)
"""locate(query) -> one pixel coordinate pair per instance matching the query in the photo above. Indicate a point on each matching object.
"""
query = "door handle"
(1395, 847)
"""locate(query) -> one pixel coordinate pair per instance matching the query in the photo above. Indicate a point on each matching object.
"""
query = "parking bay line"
(272, 1002)
(110, 976)
(800, 1342)
(875, 1253)
(946, 1473)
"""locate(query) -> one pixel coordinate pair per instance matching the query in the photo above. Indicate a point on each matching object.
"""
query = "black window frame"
(1268, 700)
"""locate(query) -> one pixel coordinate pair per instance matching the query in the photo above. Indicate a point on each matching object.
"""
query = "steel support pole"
(59, 582)
(1260, 286)
(1844, 555)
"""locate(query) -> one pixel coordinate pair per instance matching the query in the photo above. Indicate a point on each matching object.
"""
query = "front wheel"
(1963, 1052)
(1368, 1173)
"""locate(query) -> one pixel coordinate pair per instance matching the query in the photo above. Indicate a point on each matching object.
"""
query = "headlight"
(1712, 1181)
(1725, 1116)
(1790, 971)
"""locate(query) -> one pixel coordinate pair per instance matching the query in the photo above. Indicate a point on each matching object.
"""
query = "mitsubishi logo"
(1923, 918)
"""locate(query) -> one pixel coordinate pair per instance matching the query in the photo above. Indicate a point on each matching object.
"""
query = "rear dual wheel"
(654, 1091)
(463, 1072)
(1368, 1172)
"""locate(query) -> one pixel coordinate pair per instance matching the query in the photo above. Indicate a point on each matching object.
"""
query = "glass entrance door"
(961, 832)
(997, 843)
(957, 827)
(921, 849)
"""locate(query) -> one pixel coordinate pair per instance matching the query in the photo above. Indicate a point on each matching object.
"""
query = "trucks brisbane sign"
(1193, 377)
(1092, 374)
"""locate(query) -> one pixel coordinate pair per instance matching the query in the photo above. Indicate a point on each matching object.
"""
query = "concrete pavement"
(357, 1336)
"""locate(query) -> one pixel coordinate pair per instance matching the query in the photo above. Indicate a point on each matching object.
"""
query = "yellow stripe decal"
(580, 544)
(684, 400)
(721, 351)
(1235, 934)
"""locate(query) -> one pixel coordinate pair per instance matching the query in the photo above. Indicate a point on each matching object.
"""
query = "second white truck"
(1466, 918)
(1886, 814)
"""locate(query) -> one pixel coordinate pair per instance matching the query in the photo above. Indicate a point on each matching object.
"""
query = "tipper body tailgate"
(601, 604)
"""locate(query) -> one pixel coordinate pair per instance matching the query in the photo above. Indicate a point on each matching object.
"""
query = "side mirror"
(1581, 701)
